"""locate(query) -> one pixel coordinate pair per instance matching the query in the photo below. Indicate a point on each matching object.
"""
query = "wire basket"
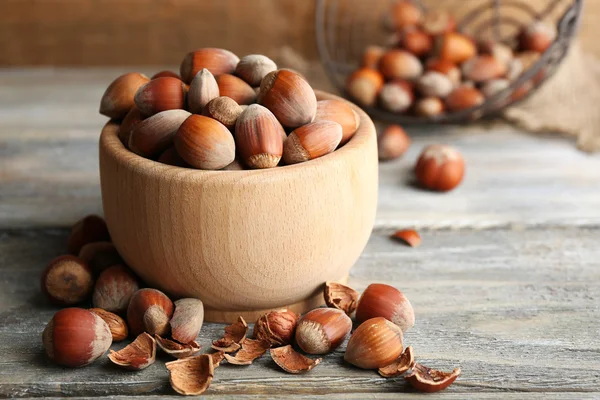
(344, 28)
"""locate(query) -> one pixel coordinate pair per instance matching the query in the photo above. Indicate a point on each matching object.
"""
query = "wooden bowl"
(242, 241)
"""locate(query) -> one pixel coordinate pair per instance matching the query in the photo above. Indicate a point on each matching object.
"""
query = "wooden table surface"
(506, 284)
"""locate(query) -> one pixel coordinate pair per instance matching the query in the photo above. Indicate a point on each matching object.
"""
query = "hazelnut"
(447, 68)
(463, 98)
(149, 310)
(170, 157)
(67, 280)
(438, 22)
(217, 61)
(75, 337)
(371, 57)
(225, 110)
(114, 289)
(374, 344)
(440, 168)
(312, 141)
(204, 143)
(276, 327)
(117, 325)
(435, 84)
(235, 88)
(405, 13)
(340, 112)
(490, 88)
(455, 47)
(483, 68)
(203, 88)
(117, 100)
(322, 330)
(380, 300)
(155, 134)
(133, 117)
(259, 135)
(417, 42)
(396, 96)
(429, 107)
(430, 380)
(160, 94)
(165, 74)
(537, 37)
(363, 86)
(187, 320)
(400, 64)
(254, 67)
(392, 143)
(87, 230)
(499, 51)
(99, 256)
(289, 97)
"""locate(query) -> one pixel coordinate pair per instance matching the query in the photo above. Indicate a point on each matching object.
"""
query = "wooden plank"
(516, 310)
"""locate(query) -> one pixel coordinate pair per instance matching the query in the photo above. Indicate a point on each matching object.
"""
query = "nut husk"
(234, 335)
(175, 349)
(191, 375)
(250, 351)
(139, 354)
(430, 380)
(341, 297)
(291, 361)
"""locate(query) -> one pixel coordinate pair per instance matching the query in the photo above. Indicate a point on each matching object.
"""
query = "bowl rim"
(113, 147)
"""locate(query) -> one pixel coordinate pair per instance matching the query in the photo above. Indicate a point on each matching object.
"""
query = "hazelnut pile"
(122, 308)
(223, 112)
(430, 68)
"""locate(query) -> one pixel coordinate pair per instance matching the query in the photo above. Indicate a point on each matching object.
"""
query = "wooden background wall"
(159, 32)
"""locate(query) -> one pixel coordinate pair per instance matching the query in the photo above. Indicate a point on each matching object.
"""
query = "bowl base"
(250, 316)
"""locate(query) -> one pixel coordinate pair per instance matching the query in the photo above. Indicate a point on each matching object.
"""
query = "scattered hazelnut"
(392, 143)
(435, 84)
(291, 361)
(371, 57)
(417, 42)
(440, 168)
(396, 96)
(67, 280)
(408, 236)
(99, 256)
(234, 335)
(322, 330)
(117, 325)
(139, 354)
(133, 117)
(537, 37)
(430, 380)
(364, 85)
(217, 61)
(165, 74)
(438, 22)
(250, 351)
(374, 344)
(405, 13)
(429, 107)
(114, 289)
(276, 327)
(455, 47)
(87, 230)
(225, 110)
(259, 137)
(236, 89)
(483, 68)
(117, 100)
(160, 94)
(187, 320)
(192, 375)
(203, 88)
(311, 141)
(254, 67)
(405, 362)
(149, 310)
(155, 134)
(400, 64)
(463, 98)
(341, 297)
(340, 112)
(289, 97)
(176, 349)
(204, 143)
(75, 337)
(380, 300)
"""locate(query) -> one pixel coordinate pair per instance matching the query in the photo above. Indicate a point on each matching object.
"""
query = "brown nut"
(364, 86)
(187, 320)
(203, 88)
(380, 300)
(217, 61)
(204, 143)
(455, 47)
(87, 230)
(139, 354)
(191, 376)
(67, 280)
(160, 94)
(340, 297)
(447, 68)
(236, 89)
(276, 327)
(440, 168)
(259, 137)
(417, 42)
(407, 236)
(289, 97)
(491, 88)
(501, 52)
(435, 84)
(117, 325)
(405, 13)
(99, 256)
(117, 100)
(392, 143)
(291, 361)
(396, 96)
(463, 98)
(225, 110)
(374, 344)
(371, 57)
(75, 337)
(429, 107)
(166, 73)
(114, 289)
(438, 22)
(430, 380)
(340, 112)
(254, 67)
(400, 64)
(537, 37)
(133, 117)
(322, 330)
(171, 157)
(312, 141)
(483, 68)
(149, 310)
